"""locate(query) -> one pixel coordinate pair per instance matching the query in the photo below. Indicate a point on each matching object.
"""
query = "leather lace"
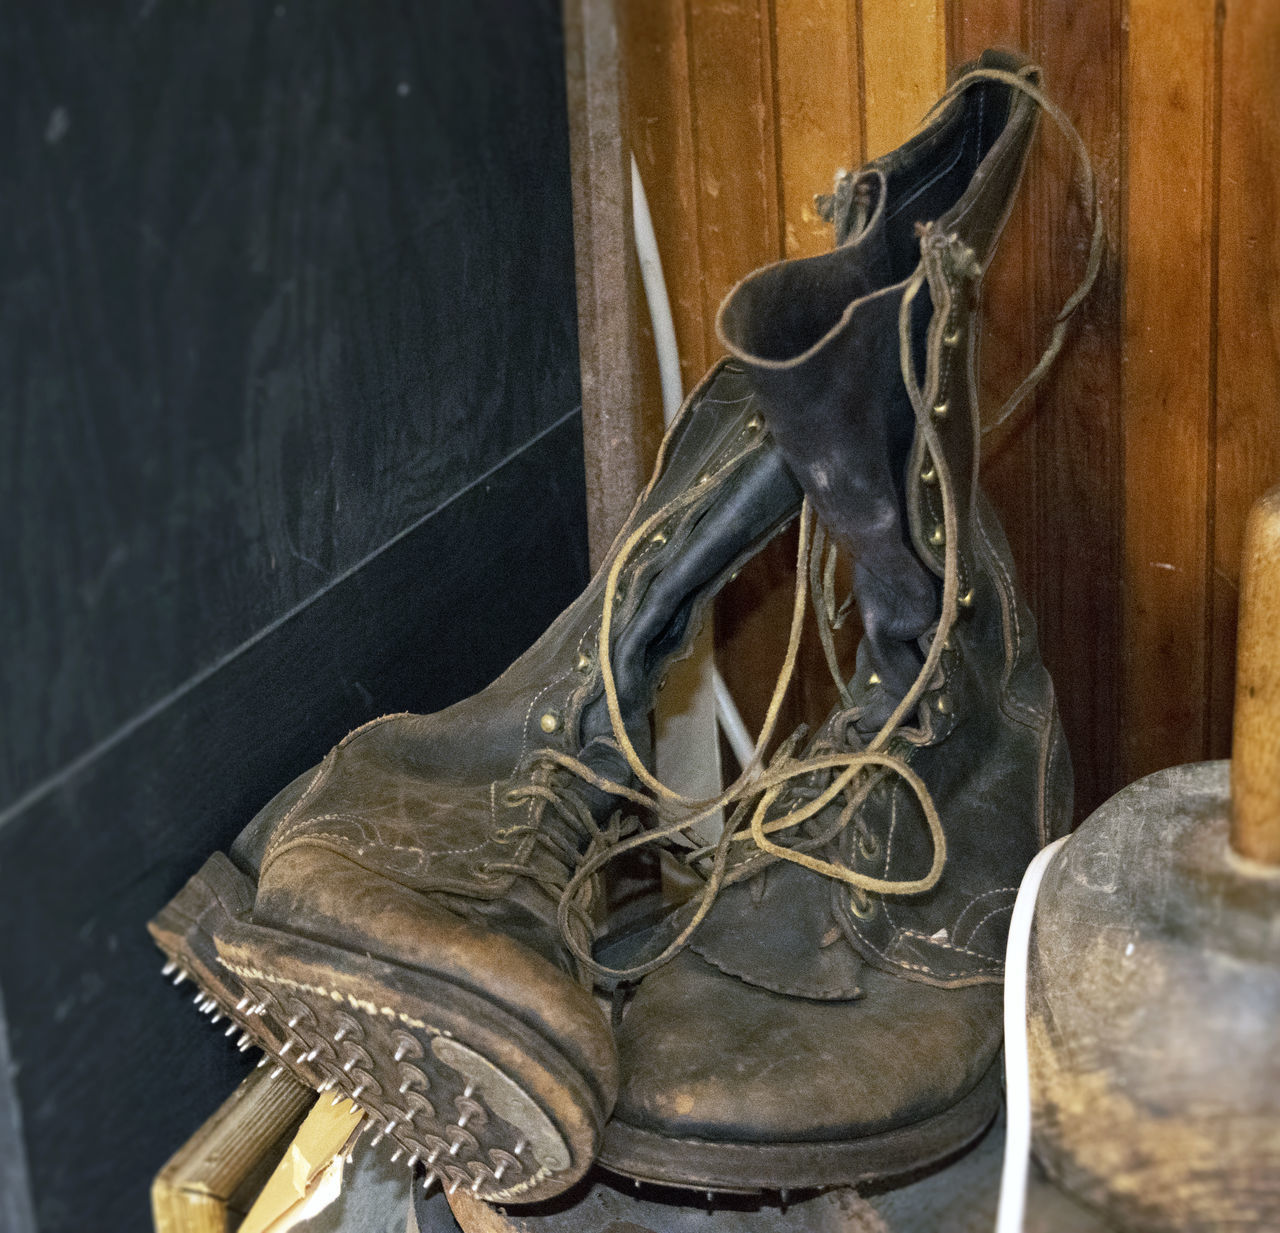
(850, 773)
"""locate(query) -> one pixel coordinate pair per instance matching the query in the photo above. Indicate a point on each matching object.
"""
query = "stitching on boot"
(335, 995)
(1028, 715)
(1004, 907)
(962, 950)
(973, 903)
(502, 1196)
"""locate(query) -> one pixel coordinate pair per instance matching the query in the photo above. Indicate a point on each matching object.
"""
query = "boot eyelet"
(658, 538)
(943, 703)
(513, 799)
(862, 906)
(584, 662)
(754, 424)
(929, 475)
(873, 680)
(868, 846)
(966, 600)
(951, 338)
(940, 409)
(549, 722)
(939, 536)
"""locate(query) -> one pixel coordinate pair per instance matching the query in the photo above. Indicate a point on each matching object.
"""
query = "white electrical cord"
(664, 339)
(1017, 1059)
(655, 294)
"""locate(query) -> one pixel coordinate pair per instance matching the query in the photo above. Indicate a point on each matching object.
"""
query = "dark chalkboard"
(277, 280)
(288, 439)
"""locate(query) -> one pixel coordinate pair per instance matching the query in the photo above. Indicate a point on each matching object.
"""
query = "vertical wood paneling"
(1248, 368)
(904, 67)
(818, 111)
(735, 150)
(1079, 455)
(1167, 385)
(1124, 485)
(656, 47)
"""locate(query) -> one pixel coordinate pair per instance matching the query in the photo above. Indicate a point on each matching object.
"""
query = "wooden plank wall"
(1124, 486)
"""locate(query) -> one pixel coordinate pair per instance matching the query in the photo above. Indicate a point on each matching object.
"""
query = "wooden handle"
(1255, 753)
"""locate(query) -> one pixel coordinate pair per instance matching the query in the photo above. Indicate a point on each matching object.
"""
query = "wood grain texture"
(1247, 424)
(1157, 426)
(656, 42)
(819, 111)
(1168, 335)
(1077, 580)
(904, 67)
(735, 146)
(610, 303)
(1255, 756)
(215, 1176)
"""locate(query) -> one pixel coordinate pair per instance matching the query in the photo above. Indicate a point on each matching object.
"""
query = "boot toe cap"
(707, 1056)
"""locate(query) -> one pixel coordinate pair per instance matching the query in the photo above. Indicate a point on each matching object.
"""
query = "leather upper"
(441, 803)
(820, 338)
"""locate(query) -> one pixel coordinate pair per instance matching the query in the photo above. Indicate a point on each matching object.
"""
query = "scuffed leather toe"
(706, 1056)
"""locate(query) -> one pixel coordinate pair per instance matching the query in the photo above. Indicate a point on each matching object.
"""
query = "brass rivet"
(944, 704)
(658, 537)
(754, 424)
(951, 338)
(939, 536)
(940, 410)
(583, 663)
(966, 600)
(930, 474)
(549, 722)
(873, 679)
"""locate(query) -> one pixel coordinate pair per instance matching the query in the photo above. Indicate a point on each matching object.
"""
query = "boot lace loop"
(769, 801)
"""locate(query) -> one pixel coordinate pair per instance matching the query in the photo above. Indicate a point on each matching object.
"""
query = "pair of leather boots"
(421, 922)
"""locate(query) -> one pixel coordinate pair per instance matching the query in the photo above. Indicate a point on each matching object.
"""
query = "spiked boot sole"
(700, 1164)
(466, 1092)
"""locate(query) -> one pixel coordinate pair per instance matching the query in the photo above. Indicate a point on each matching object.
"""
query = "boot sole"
(701, 1164)
(461, 1088)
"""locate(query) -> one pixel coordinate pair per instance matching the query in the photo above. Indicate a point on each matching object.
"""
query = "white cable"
(735, 731)
(655, 294)
(1017, 1060)
(664, 340)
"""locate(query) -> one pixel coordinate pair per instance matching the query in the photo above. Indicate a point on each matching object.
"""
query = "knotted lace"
(850, 773)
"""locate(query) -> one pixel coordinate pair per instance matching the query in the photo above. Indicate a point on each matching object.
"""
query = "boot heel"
(185, 929)
(409, 1016)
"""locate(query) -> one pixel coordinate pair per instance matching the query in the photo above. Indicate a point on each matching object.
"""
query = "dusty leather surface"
(805, 1011)
(707, 1057)
(418, 839)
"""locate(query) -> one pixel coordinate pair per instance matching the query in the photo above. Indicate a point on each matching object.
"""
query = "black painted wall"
(288, 439)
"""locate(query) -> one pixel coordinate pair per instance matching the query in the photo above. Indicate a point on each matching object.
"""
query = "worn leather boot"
(387, 925)
(837, 1014)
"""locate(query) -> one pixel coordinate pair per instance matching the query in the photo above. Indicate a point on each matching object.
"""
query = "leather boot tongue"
(604, 757)
(779, 932)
